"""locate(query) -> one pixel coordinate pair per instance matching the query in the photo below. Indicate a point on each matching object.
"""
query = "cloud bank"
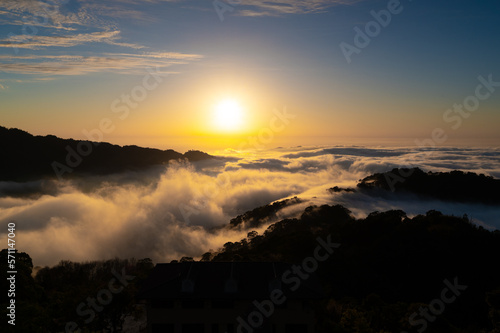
(180, 210)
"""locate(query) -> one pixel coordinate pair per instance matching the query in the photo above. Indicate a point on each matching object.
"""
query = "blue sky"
(63, 62)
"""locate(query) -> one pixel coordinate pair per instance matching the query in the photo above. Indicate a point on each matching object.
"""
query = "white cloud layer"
(166, 213)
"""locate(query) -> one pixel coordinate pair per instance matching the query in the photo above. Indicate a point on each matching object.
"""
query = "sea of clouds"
(181, 209)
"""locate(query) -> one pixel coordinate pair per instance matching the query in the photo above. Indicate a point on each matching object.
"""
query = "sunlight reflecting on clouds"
(143, 214)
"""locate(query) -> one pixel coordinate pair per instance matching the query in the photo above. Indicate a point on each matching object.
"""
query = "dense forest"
(70, 294)
(26, 157)
(387, 274)
(455, 186)
(260, 215)
(388, 267)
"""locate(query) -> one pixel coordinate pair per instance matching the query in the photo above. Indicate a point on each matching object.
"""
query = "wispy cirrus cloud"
(68, 15)
(65, 24)
(35, 42)
(30, 80)
(254, 7)
(42, 13)
(59, 24)
(50, 26)
(122, 63)
(283, 7)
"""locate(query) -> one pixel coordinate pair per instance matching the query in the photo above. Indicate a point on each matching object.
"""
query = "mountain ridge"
(455, 186)
(28, 157)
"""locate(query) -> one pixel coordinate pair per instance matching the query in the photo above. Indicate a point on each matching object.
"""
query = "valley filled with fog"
(183, 209)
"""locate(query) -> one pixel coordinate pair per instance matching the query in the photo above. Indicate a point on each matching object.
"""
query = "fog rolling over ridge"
(179, 209)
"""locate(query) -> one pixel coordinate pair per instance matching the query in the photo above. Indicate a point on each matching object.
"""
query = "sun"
(228, 115)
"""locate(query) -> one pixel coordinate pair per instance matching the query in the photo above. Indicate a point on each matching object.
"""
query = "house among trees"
(232, 297)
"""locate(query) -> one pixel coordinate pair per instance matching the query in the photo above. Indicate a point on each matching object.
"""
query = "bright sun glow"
(228, 115)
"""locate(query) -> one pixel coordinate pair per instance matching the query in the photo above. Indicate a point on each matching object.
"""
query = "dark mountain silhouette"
(47, 302)
(456, 185)
(337, 189)
(260, 215)
(27, 157)
(387, 268)
(448, 186)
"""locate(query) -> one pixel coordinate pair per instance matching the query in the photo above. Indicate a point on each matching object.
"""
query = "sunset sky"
(183, 74)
